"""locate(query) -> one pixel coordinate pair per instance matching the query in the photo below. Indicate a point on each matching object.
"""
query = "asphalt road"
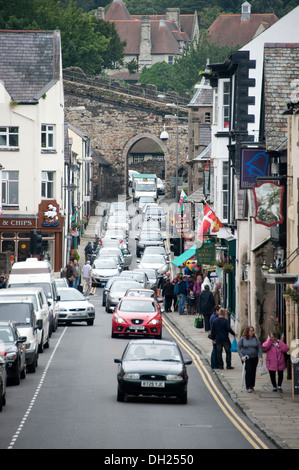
(70, 402)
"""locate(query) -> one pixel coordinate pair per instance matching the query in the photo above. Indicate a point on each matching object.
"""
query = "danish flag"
(209, 219)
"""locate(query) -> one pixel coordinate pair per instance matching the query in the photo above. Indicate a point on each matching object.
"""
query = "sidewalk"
(273, 413)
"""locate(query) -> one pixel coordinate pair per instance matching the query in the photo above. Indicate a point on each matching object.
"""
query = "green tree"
(159, 74)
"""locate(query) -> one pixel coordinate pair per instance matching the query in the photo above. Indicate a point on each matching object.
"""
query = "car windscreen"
(153, 259)
(137, 306)
(67, 295)
(105, 263)
(6, 335)
(155, 352)
(155, 236)
(46, 286)
(122, 286)
(20, 313)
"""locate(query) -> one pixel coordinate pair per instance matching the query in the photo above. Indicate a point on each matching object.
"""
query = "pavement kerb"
(226, 385)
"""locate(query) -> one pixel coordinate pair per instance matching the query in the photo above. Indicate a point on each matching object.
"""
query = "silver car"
(74, 307)
(103, 269)
(117, 290)
(156, 262)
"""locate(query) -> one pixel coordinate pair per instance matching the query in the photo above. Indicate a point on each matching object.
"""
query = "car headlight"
(132, 376)
(60, 309)
(119, 320)
(174, 377)
(89, 309)
(154, 321)
(11, 356)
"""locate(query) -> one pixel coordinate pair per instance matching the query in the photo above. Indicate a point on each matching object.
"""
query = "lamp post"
(164, 136)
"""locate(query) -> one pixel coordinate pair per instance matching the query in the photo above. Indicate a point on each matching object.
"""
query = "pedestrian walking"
(214, 364)
(216, 293)
(191, 302)
(70, 273)
(88, 251)
(197, 291)
(86, 275)
(250, 350)
(175, 283)
(206, 281)
(182, 294)
(167, 294)
(206, 305)
(275, 360)
(220, 336)
(77, 274)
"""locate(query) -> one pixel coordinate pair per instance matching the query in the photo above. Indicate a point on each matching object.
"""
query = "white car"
(74, 307)
(160, 186)
(131, 173)
(103, 269)
(152, 261)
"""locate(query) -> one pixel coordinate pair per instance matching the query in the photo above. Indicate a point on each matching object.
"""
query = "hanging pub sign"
(254, 163)
(268, 198)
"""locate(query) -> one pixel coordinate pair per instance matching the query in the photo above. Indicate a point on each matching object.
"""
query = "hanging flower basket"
(228, 268)
(293, 292)
(221, 262)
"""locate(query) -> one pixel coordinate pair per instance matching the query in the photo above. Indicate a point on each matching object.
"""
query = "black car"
(152, 368)
(14, 346)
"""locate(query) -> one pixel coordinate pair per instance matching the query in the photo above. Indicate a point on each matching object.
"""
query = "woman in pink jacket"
(275, 360)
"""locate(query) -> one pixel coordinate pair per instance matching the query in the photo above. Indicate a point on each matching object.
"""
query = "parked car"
(20, 310)
(156, 262)
(3, 380)
(41, 308)
(117, 291)
(112, 252)
(148, 239)
(15, 352)
(74, 307)
(138, 316)
(103, 269)
(152, 367)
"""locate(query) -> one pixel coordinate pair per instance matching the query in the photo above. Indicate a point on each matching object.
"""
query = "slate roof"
(230, 30)
(165, 35)
(30, 63)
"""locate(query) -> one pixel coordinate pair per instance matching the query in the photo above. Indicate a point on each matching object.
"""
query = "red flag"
(209, 219)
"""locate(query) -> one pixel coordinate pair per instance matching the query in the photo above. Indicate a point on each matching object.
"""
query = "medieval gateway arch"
(117, 119)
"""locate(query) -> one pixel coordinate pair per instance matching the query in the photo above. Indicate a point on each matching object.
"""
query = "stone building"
(150, 39)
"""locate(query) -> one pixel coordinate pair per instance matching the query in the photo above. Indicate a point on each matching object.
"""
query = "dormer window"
(245, 11)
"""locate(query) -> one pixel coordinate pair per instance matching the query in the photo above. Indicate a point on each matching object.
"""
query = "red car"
(137, 316)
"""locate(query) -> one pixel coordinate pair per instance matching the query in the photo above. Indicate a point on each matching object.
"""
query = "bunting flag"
(183, 197)
(209, 219)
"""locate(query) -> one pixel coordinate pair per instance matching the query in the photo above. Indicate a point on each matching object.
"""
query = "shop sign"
(206, 254)
(17, 223)
(268, 198)
(254, 164)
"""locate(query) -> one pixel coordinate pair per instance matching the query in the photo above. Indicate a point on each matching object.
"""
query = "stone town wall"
(115, 121)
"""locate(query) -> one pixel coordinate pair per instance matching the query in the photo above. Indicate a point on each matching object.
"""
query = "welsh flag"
(183, 197)
(209, 220)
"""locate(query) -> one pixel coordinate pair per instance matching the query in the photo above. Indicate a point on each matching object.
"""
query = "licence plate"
(152, 384)
(136, 327)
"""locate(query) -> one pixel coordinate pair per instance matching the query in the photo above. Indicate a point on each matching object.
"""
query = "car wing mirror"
(188, 362)
(117, 361)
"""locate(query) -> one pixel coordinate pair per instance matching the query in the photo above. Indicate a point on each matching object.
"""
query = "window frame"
(9, 134)
(6, 188)
(48, 132)
(48, 183)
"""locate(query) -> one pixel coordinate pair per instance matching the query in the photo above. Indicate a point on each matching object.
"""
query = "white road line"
(38, 389)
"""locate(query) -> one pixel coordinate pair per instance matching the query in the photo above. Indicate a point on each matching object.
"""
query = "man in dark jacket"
(88, 251)
(167, 294)
(219, 334)
(182, 294)
(206, 305)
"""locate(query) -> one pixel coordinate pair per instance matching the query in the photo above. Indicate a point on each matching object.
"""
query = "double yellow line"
(248, 434)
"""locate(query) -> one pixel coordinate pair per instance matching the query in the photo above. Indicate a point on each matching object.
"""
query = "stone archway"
(131, 142)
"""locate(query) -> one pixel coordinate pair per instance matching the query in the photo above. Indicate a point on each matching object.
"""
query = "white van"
(41, 307)
(21, 312)
(35, 273)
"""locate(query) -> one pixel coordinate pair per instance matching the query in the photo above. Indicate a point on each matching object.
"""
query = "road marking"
(238, 422)
(27, 413)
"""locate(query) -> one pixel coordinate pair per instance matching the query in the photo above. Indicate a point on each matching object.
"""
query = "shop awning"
(185, 256)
